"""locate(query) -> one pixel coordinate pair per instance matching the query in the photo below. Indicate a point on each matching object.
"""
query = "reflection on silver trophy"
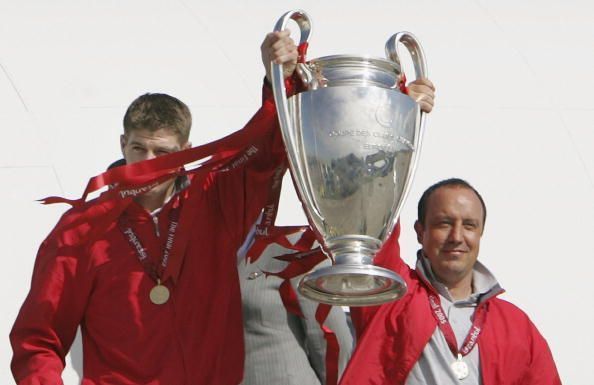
(352, 139)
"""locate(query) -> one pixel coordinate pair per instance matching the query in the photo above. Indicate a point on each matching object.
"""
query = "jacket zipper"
(156, 222)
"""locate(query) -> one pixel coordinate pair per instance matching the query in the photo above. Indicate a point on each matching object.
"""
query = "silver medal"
(460, 368)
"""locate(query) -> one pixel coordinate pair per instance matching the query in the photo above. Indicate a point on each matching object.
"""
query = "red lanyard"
(266, 232)
(271, 208)
(444, 325)
(154, 271)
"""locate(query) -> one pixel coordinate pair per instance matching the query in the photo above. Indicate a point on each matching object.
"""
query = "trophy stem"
(353, 280)
(353, 249)
(352, 285)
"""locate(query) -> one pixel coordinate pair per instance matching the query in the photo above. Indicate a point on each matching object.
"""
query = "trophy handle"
(418, 58)
(280, 99)
(302, 20)
(414, 48)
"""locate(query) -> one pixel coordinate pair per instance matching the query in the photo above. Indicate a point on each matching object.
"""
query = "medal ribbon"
(302, 52)
(155, 272)
(402, 84)
(271, 208)
(266, 232)
(446, 328)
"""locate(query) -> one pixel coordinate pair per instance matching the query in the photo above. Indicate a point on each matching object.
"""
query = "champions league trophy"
(352, 140)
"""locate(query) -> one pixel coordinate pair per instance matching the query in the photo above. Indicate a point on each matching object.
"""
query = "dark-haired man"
(450, 327)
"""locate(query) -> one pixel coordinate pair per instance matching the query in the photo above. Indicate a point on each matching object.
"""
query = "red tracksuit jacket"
(99, 283)
(512, 351)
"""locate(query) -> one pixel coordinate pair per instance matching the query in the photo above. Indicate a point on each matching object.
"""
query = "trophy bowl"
(352, 139)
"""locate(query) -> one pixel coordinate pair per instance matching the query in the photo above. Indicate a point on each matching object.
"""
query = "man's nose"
(150, 155)
(455, 234)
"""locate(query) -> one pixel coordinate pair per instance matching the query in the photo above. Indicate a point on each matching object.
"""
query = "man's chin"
(453, 269)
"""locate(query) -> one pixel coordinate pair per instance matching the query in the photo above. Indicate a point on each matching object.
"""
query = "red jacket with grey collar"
(393, 336)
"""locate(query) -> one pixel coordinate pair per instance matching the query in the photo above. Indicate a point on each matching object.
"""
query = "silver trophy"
(352, 140)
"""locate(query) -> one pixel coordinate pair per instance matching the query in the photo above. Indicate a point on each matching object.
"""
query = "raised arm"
(244, 190)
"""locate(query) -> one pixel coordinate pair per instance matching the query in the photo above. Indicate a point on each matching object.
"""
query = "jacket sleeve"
(315, 342)
(513, 348)
(244, 189)
(542, 369)
(47, 322)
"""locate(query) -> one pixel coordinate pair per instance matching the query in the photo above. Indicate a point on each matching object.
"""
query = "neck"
(459, 293)
(156, 198)
(460, 289)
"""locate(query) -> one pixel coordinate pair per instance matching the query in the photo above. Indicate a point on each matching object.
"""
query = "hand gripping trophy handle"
(352, 140)
(280, 99)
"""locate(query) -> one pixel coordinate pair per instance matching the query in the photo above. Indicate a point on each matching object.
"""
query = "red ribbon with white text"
(154, 271)
(478, 320)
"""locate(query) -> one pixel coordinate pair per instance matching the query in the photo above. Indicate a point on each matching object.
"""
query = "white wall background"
(514, 116)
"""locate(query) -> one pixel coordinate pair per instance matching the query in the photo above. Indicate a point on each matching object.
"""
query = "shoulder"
(507, 309)
(79, 225)
(511, 337)
(505, 316)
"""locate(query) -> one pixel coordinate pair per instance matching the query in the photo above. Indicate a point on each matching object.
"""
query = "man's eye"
(162, 152)
(137, 149)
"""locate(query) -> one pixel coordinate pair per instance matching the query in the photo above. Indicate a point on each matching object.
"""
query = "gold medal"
(159, 294)
(460, 368)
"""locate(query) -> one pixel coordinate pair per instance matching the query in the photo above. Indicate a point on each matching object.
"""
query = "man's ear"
(123, 140)
(419, 230)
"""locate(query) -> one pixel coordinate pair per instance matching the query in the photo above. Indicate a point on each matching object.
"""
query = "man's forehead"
(162, 135)
(448, 198)
(444, 213)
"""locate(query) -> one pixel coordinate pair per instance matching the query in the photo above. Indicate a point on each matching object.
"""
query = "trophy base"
(352, 285)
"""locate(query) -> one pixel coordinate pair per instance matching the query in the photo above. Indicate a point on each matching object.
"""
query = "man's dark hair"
(117, 163)
(451, 182)
(156, 111)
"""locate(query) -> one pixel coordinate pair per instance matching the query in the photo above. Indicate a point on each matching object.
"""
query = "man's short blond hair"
(157, 111)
